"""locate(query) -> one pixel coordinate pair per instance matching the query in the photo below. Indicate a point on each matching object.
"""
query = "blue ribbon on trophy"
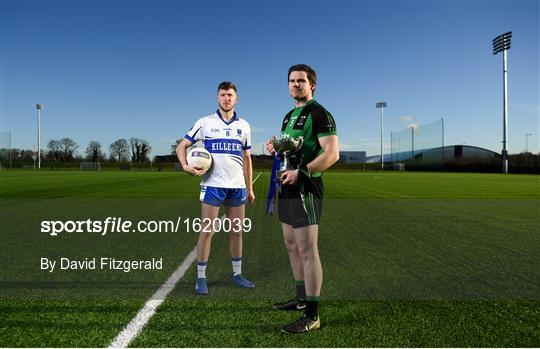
(284, 147)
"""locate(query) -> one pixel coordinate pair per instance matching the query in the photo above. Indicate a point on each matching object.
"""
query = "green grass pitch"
(410, 259)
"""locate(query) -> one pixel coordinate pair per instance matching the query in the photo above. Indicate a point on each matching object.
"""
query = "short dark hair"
(311, 74)
(226, 85)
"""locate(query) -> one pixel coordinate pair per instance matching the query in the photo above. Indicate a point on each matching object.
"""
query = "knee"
(206, 235)
(291, 246)
(307, 253)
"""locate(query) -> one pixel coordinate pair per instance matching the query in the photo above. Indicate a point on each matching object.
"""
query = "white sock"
(201, 270)
(237, 266)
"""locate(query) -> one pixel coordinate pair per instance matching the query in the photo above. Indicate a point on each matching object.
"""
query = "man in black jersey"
(301, 194)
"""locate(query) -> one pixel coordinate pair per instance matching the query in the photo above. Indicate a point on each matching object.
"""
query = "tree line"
(65, 150)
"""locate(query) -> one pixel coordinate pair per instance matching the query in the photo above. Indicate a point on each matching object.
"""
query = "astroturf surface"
(410, 259)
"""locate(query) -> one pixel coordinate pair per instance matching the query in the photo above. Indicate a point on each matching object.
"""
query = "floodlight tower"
(502, 44)
(527, 141)
(38, 108)
(381, 105)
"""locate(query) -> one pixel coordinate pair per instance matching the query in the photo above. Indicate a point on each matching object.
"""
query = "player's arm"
(181, 153)
(248, 166)
(324, 127)
(330, 145)
(248, 175)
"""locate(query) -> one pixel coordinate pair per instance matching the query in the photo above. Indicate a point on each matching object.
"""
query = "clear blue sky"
(117, 69)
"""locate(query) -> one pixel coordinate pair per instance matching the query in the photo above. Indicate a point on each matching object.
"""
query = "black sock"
(300, 289)
(311, 307)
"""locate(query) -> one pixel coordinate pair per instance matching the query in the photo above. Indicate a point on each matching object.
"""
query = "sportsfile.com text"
(120, 225)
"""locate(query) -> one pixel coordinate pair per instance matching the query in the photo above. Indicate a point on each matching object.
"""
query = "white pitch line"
(255, 180)
(132, 330)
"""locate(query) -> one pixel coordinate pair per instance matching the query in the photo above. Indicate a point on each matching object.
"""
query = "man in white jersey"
(227, 182)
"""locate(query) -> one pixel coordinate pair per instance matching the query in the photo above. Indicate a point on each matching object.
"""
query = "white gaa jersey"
(226, 141)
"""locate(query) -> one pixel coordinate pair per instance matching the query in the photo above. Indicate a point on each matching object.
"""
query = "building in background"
(352, 157)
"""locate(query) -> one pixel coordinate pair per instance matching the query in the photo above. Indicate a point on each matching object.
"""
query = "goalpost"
(90, 166)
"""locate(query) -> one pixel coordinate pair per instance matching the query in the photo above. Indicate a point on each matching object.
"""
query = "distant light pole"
(502, 44)
(381, 105)
(412, 144)
(399, 149)
(527, 142)
(38, 108)
(391, 149)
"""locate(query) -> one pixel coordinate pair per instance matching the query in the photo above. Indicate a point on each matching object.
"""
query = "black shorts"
(300, 214)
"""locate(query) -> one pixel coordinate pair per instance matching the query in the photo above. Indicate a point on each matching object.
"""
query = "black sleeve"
(323, 123)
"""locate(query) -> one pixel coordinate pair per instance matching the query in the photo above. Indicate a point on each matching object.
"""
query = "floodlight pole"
(502, 44)
(391, 150)
(399, 150)
(382, 139)
(412, 144)
(381, 105)
(505, 113)
(38, 108)
(527, 142)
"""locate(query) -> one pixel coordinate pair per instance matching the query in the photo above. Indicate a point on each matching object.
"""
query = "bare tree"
(139, 149)
(134, 148)
(119, 149)
(68, 147)
(24, 155)
(55, 150)
(145, 150)
(93, 151)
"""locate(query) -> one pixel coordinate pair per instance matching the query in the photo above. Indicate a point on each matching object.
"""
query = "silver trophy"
(284, 146)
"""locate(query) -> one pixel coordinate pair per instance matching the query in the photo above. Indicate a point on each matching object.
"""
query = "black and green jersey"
(312, 122)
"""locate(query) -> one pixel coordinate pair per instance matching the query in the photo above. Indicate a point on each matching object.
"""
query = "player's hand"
(194, 171)
(289, 177)
(270, 147)
(250, 196)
